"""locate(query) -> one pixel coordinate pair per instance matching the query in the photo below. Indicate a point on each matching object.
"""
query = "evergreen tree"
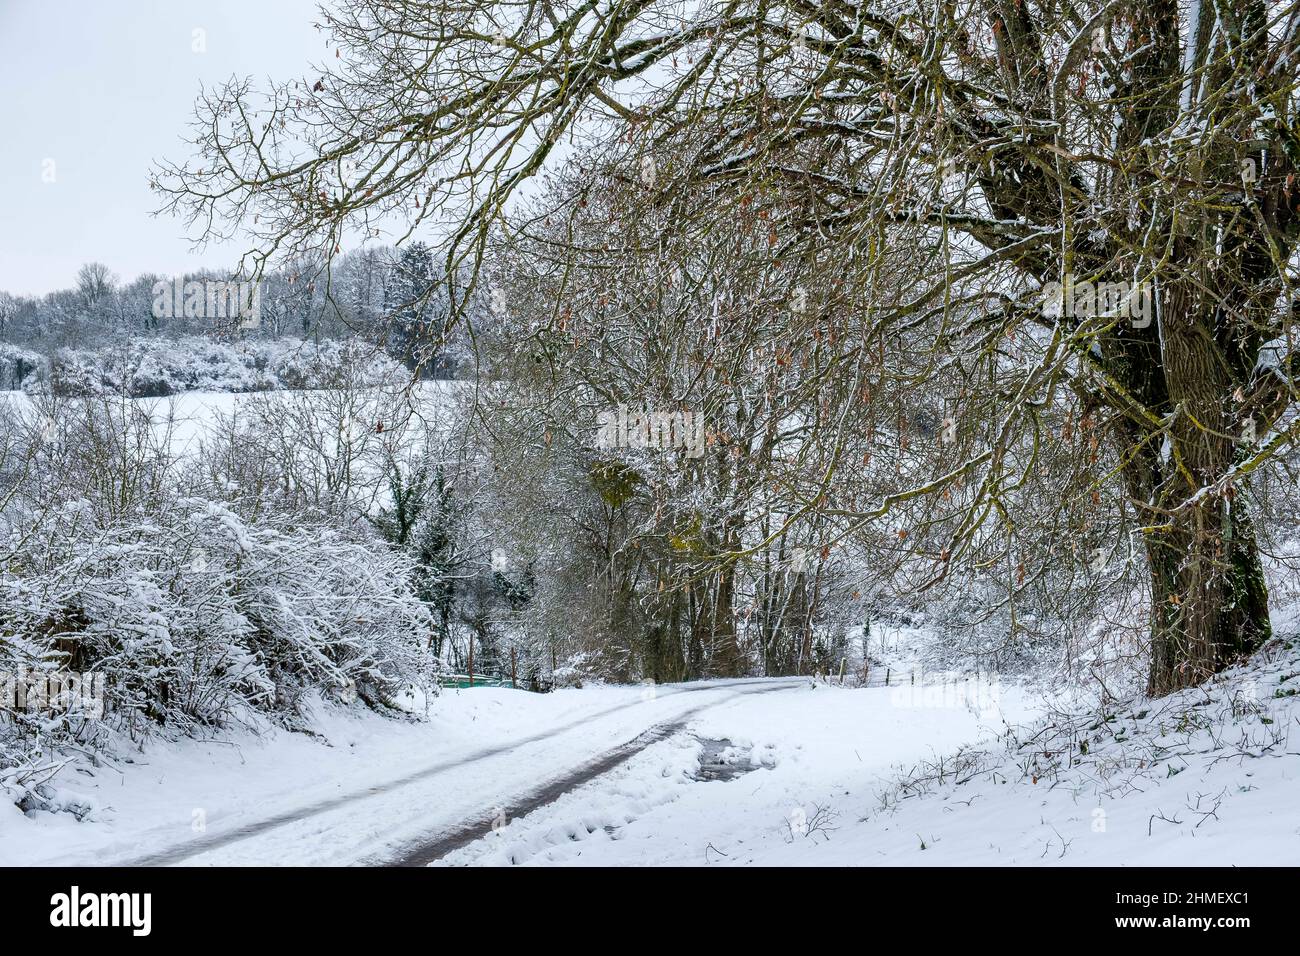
(417, 311)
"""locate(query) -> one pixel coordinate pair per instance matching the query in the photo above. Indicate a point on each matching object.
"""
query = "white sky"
(102, 88)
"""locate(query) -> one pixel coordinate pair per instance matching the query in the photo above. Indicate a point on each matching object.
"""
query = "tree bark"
(1209, 597)
(1208, 594)
(726, 659)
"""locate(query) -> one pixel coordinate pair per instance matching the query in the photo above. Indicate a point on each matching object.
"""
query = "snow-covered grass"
(1206, 776)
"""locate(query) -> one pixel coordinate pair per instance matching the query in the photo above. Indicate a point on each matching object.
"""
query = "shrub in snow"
(20, 367)
(196, 614)
(321, 365)
(76, 374)
(156, 368)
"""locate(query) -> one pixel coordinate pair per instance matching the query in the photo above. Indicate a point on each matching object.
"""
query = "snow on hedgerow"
(157, 367)
(198, 613)
(194, 610)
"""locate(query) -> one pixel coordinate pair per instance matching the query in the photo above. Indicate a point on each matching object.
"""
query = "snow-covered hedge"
(197, 616)
(154, 368)
(116, 559)
(20, 367)
(195, 613)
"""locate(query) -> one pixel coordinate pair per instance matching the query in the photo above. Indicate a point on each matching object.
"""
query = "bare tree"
(95, 282)
(1009, 143)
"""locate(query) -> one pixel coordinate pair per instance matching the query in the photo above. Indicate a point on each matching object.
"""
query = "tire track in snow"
(469, 832)
(204, 844)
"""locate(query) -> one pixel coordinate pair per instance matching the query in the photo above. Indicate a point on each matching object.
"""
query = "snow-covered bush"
(156, 368)
(20, 367)
(76, 374)
(319, 365)
(197, 613)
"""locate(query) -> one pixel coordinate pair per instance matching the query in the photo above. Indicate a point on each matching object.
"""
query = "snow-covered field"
(189, 416)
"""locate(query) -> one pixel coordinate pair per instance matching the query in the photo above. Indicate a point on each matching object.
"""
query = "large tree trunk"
(1209, 598)
(726, 659)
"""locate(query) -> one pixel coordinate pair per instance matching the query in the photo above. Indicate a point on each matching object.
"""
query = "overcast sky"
(94, 91)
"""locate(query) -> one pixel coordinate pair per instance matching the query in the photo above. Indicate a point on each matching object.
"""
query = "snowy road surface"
(432, 850)
(367, 790)
(414, 801)
(774, 772)
(488, 768)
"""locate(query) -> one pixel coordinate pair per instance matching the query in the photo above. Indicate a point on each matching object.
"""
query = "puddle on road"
(720, 759)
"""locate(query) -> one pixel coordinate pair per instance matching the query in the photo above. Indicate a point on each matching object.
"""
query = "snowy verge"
(1208, 776)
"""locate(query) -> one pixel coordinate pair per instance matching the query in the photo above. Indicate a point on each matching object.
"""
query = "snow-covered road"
(429, 851)
(806, 765)
(422, 824)
(368, 790)
(771, 772)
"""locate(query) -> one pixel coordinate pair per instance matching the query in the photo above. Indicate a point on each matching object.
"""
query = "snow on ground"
(375, 784)
(798, 773)
(191, 416)
(812, 757)
(1208, 777)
